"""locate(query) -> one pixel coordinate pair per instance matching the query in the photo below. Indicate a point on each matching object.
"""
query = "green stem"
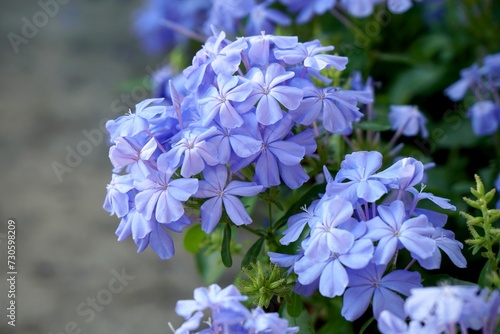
(251, 230)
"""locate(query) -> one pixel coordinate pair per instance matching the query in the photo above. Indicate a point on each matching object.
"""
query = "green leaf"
(193, 239)
(295, 307)
(210, 267)
(303, 321)
(252, 253)
(439, 279)
(336, 326)
(226, 247)
(375, 125)
(483, 280)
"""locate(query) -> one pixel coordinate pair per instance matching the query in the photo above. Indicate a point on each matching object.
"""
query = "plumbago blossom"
(228, 314)
(163, 25)
(234, 131)
(442, 309)
(355, 234)
(484, 83)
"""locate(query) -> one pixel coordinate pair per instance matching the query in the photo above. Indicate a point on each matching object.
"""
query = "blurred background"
(69, 66)
(61, 84)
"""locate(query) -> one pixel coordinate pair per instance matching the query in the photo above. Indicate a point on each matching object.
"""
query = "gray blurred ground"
(63, 81)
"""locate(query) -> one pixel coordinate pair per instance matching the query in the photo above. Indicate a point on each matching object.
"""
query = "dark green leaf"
(483, 276)
(375, 125)
(295, 306)
(303, 321)
(252, 253)
(193, 239)
(226, 247)
(209, 267)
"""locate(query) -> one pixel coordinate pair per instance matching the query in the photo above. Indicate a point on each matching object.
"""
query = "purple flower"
(446, 303)
(277, 157)
(485, 117)
(217, 56)
(331, 273)
(194, 149)
(117, 199)
(393, 231)
(237, 141)
(134, 123)
(403, 174)
(408, 120)
(338, 109)
(269, 94)
(308, 8)
(260, 46)
(132, 153)
(263, 18)
(217, 102)
(445, 240)
(161, 195)
(310, 54)
(326, 238)
(213, 298)
(358, 8)
(358, 168)
(296, 224)
(468, 77)
(399, 6)
(269, 323)
(368, 282)
(216, 187)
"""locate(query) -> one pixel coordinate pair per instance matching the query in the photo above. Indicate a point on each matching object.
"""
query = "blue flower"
(368, 282)
(403, 174)
(260, 47)
(468, 77)
(310, 54)
(331, 272)
(445, 240)
(218, 300)
(162, 196)
(269, 323)
(277, 157)
(269, 94)
(326, 238)
(215, 186)
(485, 117)
(307, 9)
(263, 18)
(217, 102)
(408, 120)
(117, 199)
(194, 149)
(393, 231)
(237, 141)
(358, 168)
(338, 109)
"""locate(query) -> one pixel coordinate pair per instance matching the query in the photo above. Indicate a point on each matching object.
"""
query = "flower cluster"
(229, 315)
(163, 24)
(236, 131)
(353, 238)
(484, 83)
(441, 309)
